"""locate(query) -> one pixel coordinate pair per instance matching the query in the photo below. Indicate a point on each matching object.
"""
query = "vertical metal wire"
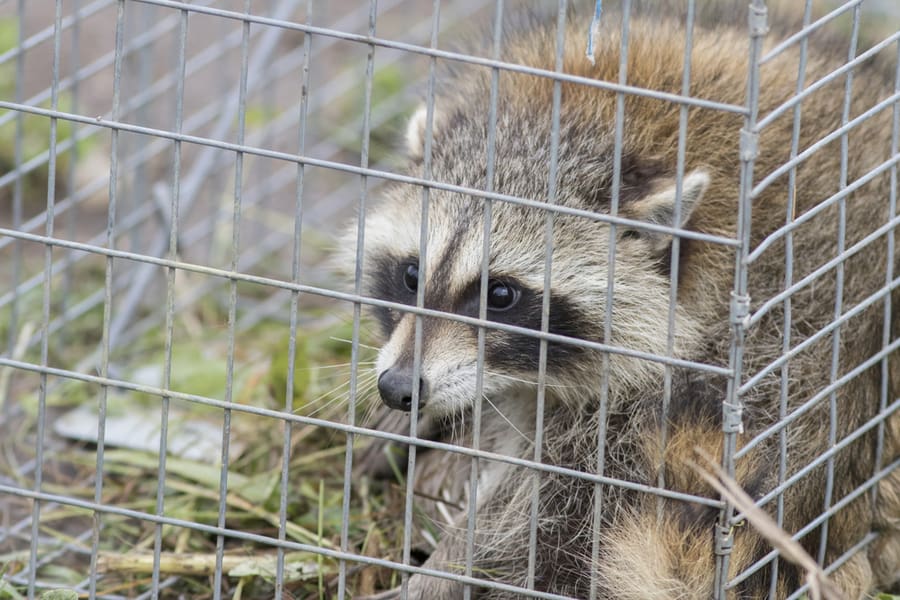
(233, 299)
(213, 190)
(732, 408)
(128, 201)
(170, 296)
(838, 288)
(112, 234)
(889, 277)
(198, 176)
(140, 180)
(292, 333)
(108, 291)
(545, 301)
(16, 203)
(72, 220)
(357, 314)
(788, 281)
(676, 248)
(615, 192)
(45, 309)
(487, 208)
(420, 299)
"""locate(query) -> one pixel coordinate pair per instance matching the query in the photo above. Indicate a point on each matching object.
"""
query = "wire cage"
(188, 390)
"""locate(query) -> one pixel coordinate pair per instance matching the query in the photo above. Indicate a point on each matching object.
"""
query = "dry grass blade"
(297, 565)
(820, 588)
(169, 563)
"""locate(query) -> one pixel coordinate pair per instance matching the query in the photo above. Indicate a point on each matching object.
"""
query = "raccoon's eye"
(411, 277)
(501, 296)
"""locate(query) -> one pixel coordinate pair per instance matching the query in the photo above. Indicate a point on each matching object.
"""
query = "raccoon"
(606, 407)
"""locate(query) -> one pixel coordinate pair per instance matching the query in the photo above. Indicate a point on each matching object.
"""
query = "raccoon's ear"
(416, 128)
(658, 208)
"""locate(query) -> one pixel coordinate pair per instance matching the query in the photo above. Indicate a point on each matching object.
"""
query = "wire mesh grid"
(184, 402)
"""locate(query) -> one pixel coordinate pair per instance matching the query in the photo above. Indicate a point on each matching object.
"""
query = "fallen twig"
(820, 588)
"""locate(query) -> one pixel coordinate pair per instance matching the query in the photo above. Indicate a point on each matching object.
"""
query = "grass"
(252, 503)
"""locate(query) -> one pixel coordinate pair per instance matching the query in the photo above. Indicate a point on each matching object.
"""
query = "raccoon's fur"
(649, 548)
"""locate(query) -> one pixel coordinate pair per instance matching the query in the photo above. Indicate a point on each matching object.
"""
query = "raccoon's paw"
(428, 588)
(391, 594)
(421, 587)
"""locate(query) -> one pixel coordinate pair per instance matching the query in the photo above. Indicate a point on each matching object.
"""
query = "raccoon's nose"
(396, 387)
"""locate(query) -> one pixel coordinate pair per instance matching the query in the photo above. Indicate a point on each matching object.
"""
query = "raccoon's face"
(447, 273)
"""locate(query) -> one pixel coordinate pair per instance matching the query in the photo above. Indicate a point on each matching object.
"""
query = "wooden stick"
(820, 588)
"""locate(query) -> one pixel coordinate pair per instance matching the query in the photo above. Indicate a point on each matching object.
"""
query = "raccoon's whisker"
(336, 389)
(331, 403)
(346, 341)
(364, 387)
(364, 396)
(365, 383)
(528, 382)
(368, 416)
(510, 423)
(364, 379)
(364, 392)
(335, 366)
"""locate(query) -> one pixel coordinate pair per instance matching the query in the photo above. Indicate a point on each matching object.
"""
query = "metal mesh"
(174, 178)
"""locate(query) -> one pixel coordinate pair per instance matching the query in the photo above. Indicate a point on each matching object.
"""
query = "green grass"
(254, 478)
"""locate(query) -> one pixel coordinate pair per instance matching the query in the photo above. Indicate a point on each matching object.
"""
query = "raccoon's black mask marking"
(394, 281)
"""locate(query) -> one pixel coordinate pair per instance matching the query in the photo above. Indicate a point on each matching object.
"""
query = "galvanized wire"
(294, 308)
(488, 211)
(45, 304)
(540, 400)
(615, 193)
(788, 280)
(150, 229)
(329, 293)
(732, 406)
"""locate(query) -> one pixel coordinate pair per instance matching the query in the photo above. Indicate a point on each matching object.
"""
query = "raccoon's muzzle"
(396, 388)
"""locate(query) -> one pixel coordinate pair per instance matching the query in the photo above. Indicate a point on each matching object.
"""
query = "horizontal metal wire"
(821, 206)
(344, 428)
(815, 275)
(812, 525)
(455, 56)
(836, 134)
(319, 291)
(811, 403)
(825, 80)
(143, 97)
(135, 330)
(100, 507)
(141, 213)
(806, 31)
(823, 332)
(368, 172)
